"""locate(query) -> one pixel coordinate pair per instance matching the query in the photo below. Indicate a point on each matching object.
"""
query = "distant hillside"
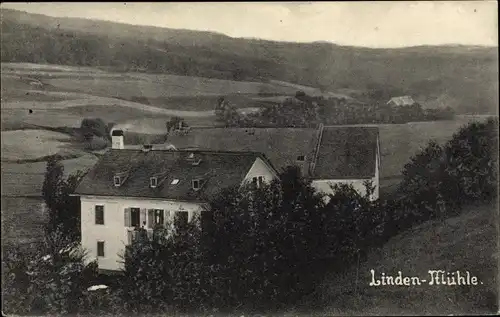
(468, 76)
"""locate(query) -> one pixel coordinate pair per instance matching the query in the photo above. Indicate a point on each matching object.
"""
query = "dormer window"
(153, 182)
(120, 178)
(301, 158)
(196, 184)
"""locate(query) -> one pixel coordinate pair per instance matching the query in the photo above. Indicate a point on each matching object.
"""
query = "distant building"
(129, 187)
(401, 101)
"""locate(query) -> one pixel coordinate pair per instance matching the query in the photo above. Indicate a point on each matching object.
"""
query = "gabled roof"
(346, 153)
(218, 169)
(402, 101)
(281, 146)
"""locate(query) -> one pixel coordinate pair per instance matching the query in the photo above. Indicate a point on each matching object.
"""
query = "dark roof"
(117, 133)
(281, 146)
(219, 169)
(347, 153)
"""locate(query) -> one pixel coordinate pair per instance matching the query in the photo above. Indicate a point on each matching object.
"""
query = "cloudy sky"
(373, 24)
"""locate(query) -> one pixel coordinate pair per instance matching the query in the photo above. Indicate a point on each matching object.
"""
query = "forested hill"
(461, 76)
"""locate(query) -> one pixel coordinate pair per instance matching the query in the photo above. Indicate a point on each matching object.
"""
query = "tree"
(64, 210)
(95, 127)
(174, 122)
(49, 278)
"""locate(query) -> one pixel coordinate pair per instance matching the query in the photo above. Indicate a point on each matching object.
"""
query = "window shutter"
(166, 217)
(151, 218)
(143, 216)
(127, 217)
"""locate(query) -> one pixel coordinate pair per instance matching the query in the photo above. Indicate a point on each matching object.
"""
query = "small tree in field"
(174, 123)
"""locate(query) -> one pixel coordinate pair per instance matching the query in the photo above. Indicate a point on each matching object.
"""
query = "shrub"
(50, 278)
(95, 127)
(439, 180)
(97, 143)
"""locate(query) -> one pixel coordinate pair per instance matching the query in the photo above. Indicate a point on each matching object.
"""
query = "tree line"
(255, 249)
(308, 111)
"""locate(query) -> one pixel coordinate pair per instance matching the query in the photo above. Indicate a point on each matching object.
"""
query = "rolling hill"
(464, 77)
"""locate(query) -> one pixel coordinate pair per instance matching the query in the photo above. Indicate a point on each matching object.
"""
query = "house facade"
(129, 189)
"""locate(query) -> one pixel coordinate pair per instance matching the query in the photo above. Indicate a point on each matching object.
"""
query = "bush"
(439, 180)
(48, 279)
(259, 250)
(97, 143)
(91, 127)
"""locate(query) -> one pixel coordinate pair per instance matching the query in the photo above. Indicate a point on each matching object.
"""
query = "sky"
(371, 24)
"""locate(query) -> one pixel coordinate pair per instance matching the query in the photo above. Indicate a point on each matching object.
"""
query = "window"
(257, 181)
(159, 217)
(181, 219)
(99, 215)
(196, 184)
(100, 248)
(117, 181)
(175, 182)
(153, 182)
(135, 217)
(301, 158)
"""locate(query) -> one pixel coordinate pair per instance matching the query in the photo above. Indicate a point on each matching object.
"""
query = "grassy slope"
(466, 242)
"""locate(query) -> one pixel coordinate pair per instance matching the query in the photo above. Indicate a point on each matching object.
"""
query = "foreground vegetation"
(273, 243)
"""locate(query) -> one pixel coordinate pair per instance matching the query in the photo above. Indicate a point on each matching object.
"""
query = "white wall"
(323, 185)
(114, 232)
(260, 168)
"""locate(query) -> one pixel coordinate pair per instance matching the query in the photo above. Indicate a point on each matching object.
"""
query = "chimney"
(117, 140)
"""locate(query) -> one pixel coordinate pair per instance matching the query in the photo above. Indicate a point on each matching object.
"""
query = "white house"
(401, 101)
(131, 188)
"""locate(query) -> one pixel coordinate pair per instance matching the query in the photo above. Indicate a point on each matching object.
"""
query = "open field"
(398, 142)
(127, 85)
(26, 179)
(466, 243)
(22, 219)
(19, 145)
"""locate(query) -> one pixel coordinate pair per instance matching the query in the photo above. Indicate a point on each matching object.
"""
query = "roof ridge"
(235, 152)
